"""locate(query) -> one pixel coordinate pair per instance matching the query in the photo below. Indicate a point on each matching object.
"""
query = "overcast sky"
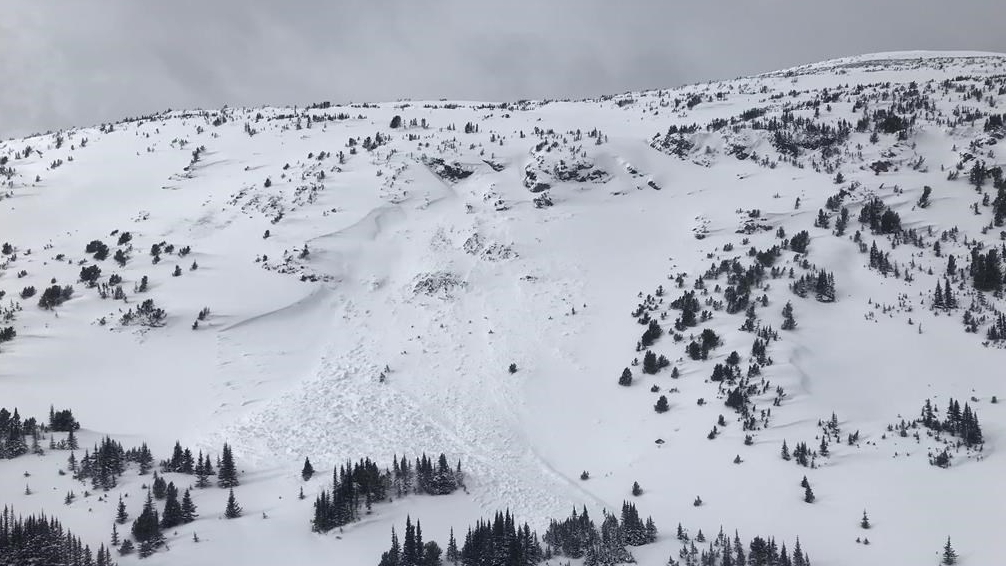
(86, 61)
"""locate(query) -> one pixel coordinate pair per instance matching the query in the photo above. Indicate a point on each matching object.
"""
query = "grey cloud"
(87, 61)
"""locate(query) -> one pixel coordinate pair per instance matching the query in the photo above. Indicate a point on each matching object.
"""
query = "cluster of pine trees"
(653, 363)
(364, 483)
(578, 537)
(822, 284)
(962, 424)
(880, 218)
(147, 528)
(62, 421)
(943, 296)
(12, 434)
(413, 552)
(652, 333)
(689, 306)
(986, 270)
(501, 542)
(103, 464)
(799, 242)
(724, 552)
(997, 330)
(699, 349)
(182, 462)
(42, 540)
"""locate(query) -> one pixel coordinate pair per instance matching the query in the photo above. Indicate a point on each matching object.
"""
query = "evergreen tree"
(431, 554)
(145, 459)
(203, 469)
(626, 378)
(788, 323)
(409, 550)
(453, 556)
(661, 406)
(808, 494)
(798, 555)
(865, 521)
(172, 516)
(227, 475)
(949, 300)
(308, 471)
(636, 490)
(160, 487)
(393, 556)
(650, 363)
(126, 548)
(147, 528)
(188, 508)
(949, 554)
(233, 510)
(121, 516)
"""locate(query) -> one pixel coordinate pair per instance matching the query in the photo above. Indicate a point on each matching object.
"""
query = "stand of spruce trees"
(42, 540)
(722, 551)
(364, 483)
(503, 542)
(962, 424)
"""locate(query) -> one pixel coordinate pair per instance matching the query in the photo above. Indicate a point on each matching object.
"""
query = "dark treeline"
(41, 540)
(503, 542)
(362, 484)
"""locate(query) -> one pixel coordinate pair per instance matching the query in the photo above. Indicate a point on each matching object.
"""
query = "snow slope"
(392, 334)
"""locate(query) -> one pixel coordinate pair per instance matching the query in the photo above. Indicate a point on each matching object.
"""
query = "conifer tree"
(147, 528)
(188, 508)
(661, 406)
(453, 556)
(808, 494)
(788, 323)
(431, 554)
(409, 550)
(393, 556)
(227, 475)
(626, 379)
(126, 548)
(308, 471)
(949, 554)
(798, 555)
(172, 516)
(203, 471)
(233, 510)
(121, 516)
(160, 487)
(865, 521)
(650, 363)
(145, 459)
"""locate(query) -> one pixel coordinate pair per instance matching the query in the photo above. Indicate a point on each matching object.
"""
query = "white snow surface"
(446, 282)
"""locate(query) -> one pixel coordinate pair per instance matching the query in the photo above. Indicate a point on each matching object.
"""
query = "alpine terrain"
(757, 321)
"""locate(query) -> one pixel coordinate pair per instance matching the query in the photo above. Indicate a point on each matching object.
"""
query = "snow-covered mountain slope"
(368, 288)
